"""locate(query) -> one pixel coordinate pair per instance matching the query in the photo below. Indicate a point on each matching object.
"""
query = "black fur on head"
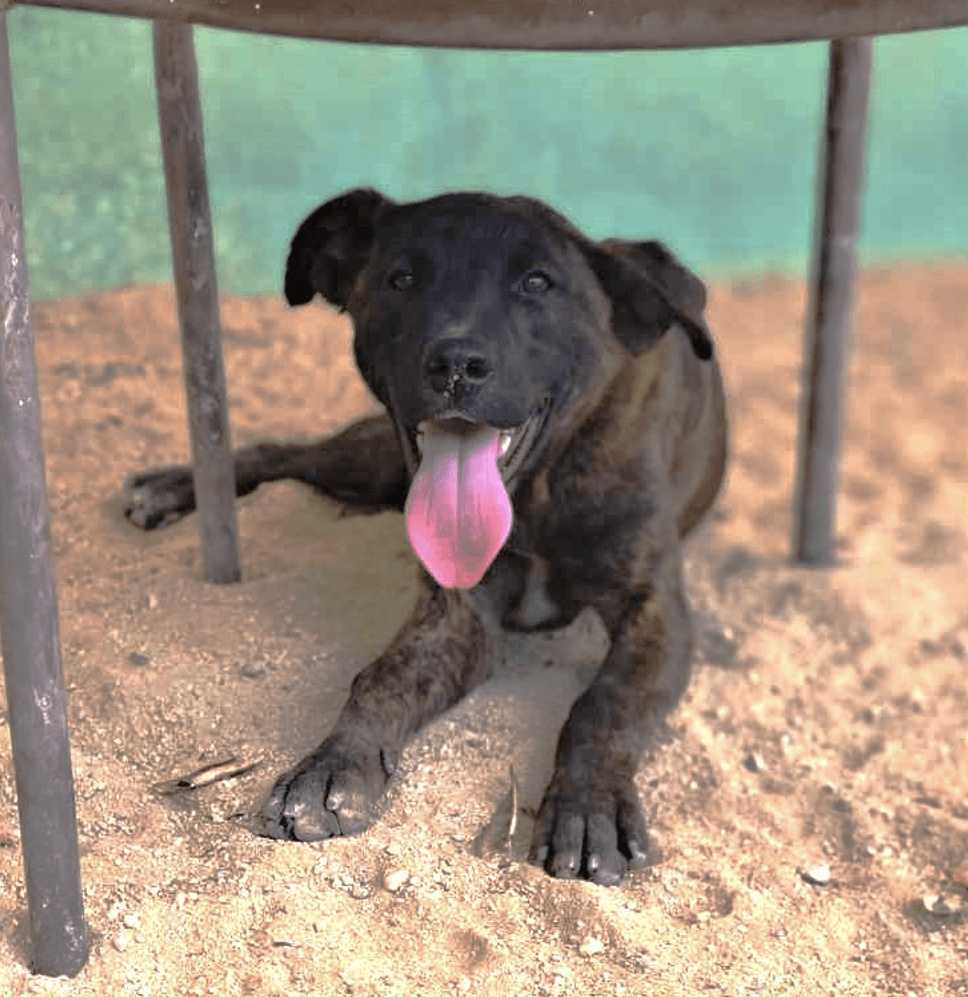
(649, 288)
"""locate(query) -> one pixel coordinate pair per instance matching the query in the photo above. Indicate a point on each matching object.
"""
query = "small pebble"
(138, 659)
(591, 946)
(943, 906)
(818, 874)
(122, 940)
(754, 762)
(253, 670)
(131, 921)
(395, 879)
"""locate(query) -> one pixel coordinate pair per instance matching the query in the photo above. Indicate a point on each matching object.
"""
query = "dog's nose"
(454, 363)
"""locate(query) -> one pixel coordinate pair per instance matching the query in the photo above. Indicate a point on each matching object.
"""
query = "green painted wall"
(713, 151)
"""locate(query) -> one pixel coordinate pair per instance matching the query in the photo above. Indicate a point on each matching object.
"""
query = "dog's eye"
(401, 280)
(536, 282)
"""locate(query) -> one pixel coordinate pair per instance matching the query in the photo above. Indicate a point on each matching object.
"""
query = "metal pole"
(189, 219)
(840, 190)
(28, 603)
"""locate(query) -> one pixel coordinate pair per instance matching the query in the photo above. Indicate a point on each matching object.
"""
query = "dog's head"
(482, 322)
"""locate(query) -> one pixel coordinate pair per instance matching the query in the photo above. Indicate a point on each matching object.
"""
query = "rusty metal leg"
(28, 603)
(840, 189)
(189, 219)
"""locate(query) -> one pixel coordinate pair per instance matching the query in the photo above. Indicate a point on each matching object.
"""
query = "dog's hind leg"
(362, 465)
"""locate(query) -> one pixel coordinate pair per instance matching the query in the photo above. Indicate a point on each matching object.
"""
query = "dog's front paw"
(159, 497)
(595, 831)
(336, 790)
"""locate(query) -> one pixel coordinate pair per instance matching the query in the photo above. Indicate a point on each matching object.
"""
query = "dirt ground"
(826, 724)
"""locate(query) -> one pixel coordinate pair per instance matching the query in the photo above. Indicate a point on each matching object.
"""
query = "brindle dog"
(520, 363)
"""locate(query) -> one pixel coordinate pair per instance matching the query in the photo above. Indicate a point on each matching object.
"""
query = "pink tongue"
(458, 511)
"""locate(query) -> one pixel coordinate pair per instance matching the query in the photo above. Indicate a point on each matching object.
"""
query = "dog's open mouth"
(458, 510)
(513, 444)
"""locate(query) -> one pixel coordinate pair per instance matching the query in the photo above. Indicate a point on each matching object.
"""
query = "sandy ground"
(825, 725)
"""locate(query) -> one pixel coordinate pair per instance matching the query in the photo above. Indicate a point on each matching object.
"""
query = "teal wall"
(713, 151)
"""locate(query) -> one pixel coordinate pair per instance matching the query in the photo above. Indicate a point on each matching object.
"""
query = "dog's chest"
(535, 608)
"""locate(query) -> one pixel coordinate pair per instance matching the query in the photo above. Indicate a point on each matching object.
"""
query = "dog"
(555, 425)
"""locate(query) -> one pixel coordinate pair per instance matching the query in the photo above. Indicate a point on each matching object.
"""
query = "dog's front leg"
(590, 822)
(437, 657)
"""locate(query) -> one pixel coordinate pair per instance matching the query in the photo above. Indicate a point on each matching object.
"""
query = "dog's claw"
(638, 857)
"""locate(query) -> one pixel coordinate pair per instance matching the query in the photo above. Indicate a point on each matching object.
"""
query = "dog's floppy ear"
(650, 290)
(331, 247)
